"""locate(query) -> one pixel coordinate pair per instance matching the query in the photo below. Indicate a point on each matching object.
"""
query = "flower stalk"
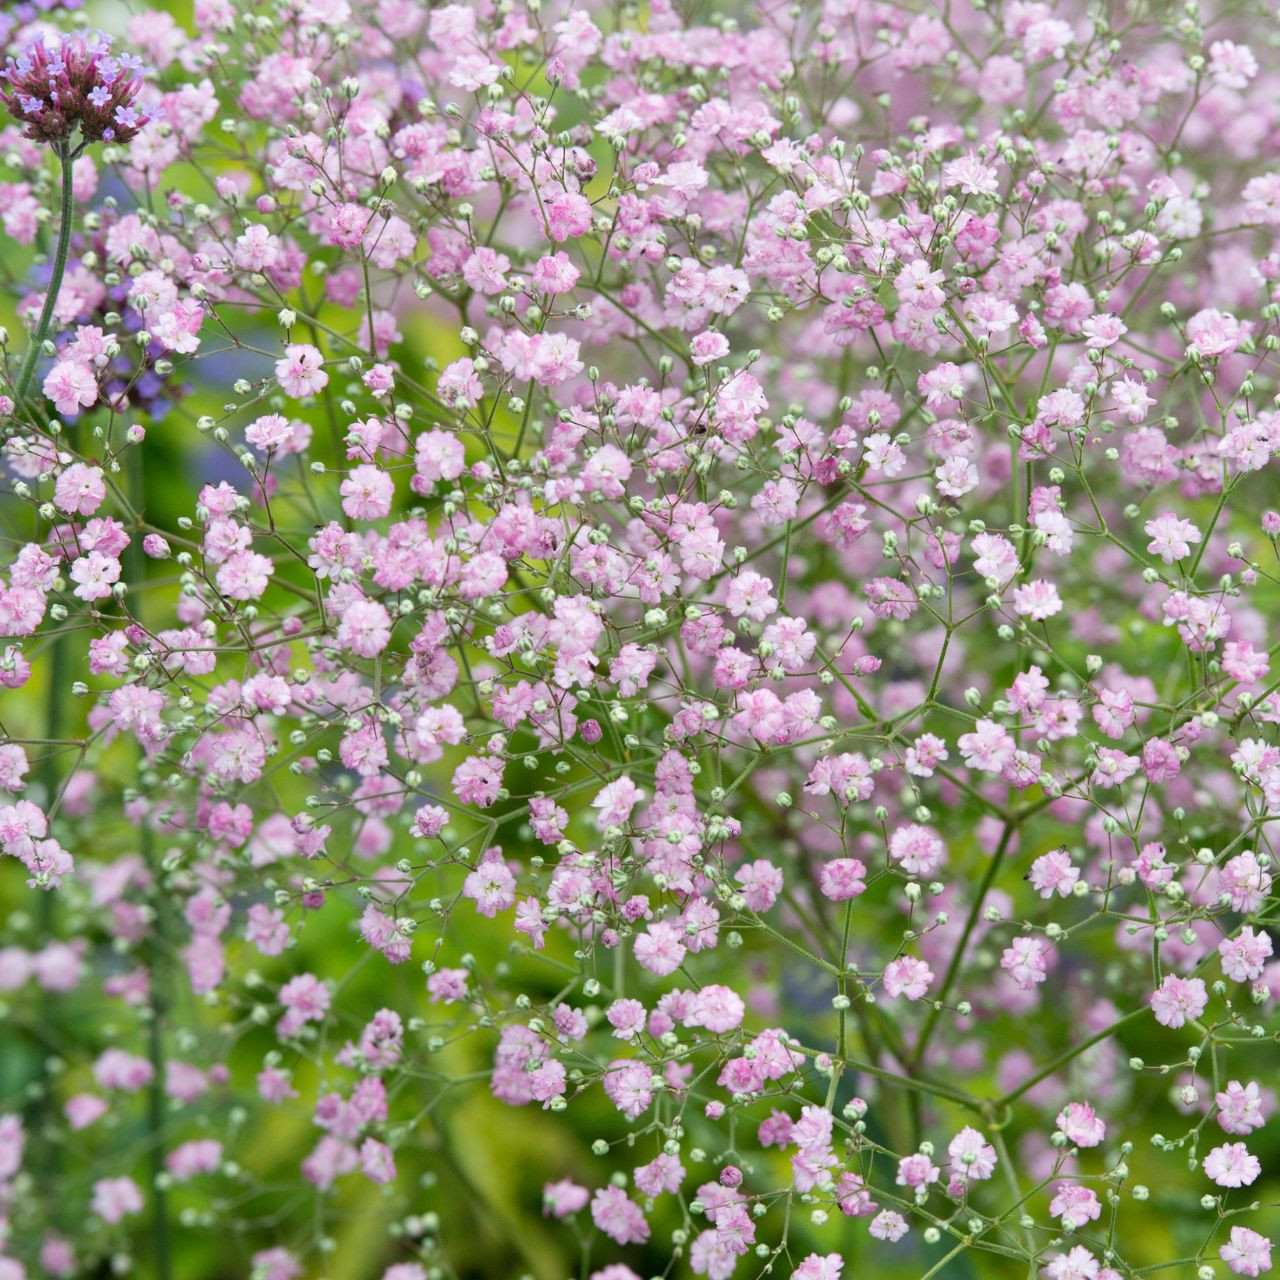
(66, 162)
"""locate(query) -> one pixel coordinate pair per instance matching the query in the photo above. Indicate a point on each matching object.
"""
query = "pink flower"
(1232, 65)
(193, 1158)
(819, 1267)
(708, 346)
(615, 801)
(916, 1171)
(491, 886)
(1232, 1165)
(1052, 873)
(568, 215)
(1037, 600)
(1081, 1125)
(1075, 1205)
(1103, 330)
(888, 1224)
(1244, 956)
(80, 489)
(71, 386)
(661, 949)
(563, 1198)
(717, 1008)
(842, 879)
(485, 270)
(367, 493)
(662, 1174)
(277, 1264)
(364, 628)
(1171, 537)
(1247, 1252)
(1240, 1108)
(244, 575)
(1213, 333)
(629, 1086)
(618, 1217)
(917, 849)
(1178, 1000)
(116, 1198)
(908, 977)
(300, 372)
(477, 781)
(1026, 960)
(437, 456)
(94, 576)
(973, 1158)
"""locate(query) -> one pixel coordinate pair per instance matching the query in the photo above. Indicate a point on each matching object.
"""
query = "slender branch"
(66, 217)
(957, 958)
(1063, 1059)
(161, 953)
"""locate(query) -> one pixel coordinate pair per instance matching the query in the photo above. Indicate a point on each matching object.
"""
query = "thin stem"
(27, 372)
(55, 708)
(55, 705)
(160, 951)
(156, 1010)
(155, 1127)
(957, 958)
(1063, 1059)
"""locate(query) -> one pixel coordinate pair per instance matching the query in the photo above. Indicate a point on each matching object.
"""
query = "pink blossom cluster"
(697, 581)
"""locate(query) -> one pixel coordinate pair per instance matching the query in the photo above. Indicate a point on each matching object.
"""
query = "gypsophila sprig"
(635, 641)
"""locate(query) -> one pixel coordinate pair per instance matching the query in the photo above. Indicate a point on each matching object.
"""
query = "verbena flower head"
(75, 84)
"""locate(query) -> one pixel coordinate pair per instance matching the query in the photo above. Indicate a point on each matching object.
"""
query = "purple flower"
(76, 86)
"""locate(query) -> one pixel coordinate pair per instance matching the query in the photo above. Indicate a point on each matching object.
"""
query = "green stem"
(55, 705)
(160, 952)
(23, 384)
(957, 958)
(55, 708)
(942, 1262)
(155, 1127)
(1063, 1059)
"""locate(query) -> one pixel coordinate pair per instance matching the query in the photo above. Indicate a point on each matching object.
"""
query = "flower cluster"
(687, 687)
(74, 84)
